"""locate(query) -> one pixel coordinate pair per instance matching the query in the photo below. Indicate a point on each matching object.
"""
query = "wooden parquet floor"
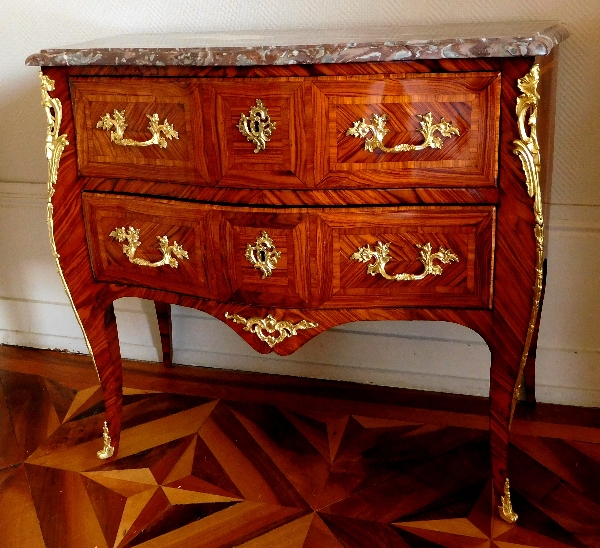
(215, 460)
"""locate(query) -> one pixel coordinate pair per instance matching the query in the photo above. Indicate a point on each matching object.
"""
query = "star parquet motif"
(200, 472)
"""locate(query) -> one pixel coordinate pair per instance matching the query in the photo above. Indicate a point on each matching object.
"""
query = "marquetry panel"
(281, 462)
(289, 282)
(153, 218)
(284, 162)
(177, 100)
(467, 231)
(470, 101)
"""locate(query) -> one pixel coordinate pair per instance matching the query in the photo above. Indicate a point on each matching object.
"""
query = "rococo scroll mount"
(55, 145)
(528, 150)
(269, 329)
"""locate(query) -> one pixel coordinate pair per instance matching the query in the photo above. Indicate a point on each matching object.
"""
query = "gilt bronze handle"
(120, 125)
(378, 131)
(132, 236)
(382, 257)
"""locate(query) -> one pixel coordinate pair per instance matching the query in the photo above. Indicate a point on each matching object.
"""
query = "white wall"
(434, 356)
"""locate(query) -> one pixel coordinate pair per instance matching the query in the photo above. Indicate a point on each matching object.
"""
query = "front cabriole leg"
(97, 321)
(101, 327)
(526, 147)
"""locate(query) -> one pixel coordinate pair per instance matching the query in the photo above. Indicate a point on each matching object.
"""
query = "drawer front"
(114, 133)
(413, 256)
(264, 256)
(295, 257)
(358, 131)
(123, 234)
(411, 130)
(261, 131)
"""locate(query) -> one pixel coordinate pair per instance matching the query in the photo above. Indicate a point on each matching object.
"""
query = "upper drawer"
(327, 132)
(146, 128)
(407, 130)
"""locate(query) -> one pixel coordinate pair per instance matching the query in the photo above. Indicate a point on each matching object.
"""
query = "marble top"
(508, 39)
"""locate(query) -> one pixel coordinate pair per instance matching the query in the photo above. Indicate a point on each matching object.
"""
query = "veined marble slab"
(518, 39)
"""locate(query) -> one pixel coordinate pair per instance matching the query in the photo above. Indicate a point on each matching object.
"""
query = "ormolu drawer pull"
(379, 131)
(258, 326)
(257, 127)
(120, 125)
(263, 254)
(133, 242)
(382, 257)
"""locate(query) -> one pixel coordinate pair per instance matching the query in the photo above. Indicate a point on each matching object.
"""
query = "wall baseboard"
(418, 355)
(436, 356)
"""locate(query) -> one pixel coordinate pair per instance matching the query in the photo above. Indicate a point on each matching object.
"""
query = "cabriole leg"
(163, 315)
(501, 392)
(101, 330)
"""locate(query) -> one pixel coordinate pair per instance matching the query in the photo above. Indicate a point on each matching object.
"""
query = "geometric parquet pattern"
(198, 471)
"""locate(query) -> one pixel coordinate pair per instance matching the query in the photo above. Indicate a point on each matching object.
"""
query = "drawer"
(407, 256)
(358, 131)
(105, 106)
(408, 130)
(124, 241)
(353, 257)
(449, 124)
(434, 256)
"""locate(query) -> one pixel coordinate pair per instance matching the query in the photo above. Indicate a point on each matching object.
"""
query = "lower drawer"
(426, 256)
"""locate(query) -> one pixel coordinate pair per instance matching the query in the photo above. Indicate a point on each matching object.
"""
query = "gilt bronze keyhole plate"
(257, 126)
(263, 254)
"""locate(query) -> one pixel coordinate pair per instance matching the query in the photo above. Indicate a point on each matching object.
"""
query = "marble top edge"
(514, 39)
